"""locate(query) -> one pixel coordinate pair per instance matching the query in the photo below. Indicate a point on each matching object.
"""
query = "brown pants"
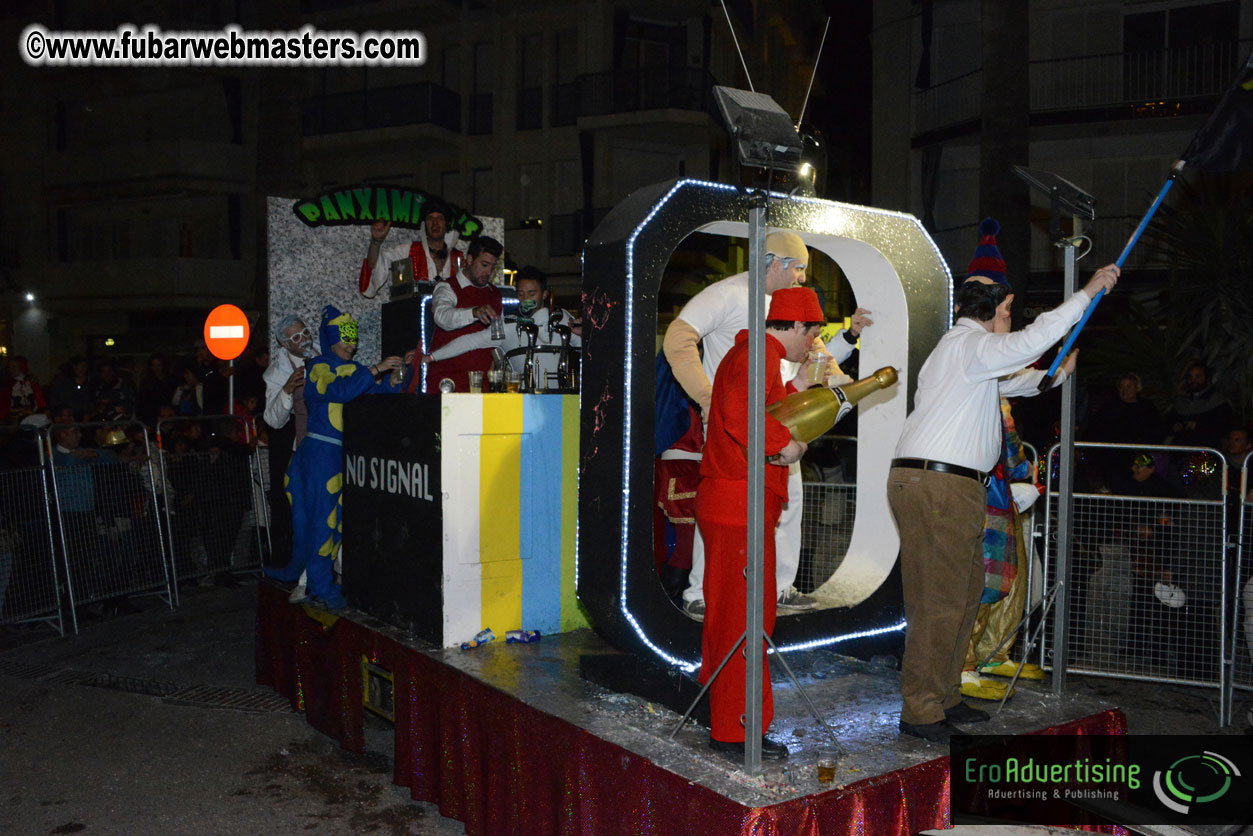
(940, 517)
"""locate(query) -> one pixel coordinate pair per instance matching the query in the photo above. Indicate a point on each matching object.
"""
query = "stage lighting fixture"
(763, 133)
(1074, 200)
(30, 297)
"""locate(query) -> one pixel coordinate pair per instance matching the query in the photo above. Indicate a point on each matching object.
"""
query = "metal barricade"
(1147, 583)
(29, 589)
(1240, 652)
(830, 508)
(104, 489)
(209, 479)
(261, 496)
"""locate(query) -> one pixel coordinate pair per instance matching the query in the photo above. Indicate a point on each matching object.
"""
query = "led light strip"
(627, 413)
(864, 634)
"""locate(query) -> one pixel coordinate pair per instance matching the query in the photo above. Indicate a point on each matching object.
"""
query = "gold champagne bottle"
(811, 412)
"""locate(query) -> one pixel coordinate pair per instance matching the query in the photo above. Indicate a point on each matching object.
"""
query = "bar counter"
(460, 512)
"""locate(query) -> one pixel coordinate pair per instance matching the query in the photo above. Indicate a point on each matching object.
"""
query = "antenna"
(736, 41)
(813, 73)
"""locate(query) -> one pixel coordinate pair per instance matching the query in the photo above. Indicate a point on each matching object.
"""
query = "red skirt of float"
(504, 767)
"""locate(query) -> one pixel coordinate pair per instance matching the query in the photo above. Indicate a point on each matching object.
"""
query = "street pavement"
(151, 723)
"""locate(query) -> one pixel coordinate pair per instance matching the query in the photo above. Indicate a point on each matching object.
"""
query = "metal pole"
(754, 626)
(1065, 498)
(230, 391)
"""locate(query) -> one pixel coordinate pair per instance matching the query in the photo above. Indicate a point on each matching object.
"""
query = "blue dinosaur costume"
(316, 474)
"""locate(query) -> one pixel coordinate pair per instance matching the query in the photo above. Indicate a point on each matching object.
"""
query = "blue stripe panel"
(540, 513)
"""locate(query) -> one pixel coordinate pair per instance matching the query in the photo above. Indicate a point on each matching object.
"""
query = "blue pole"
(1047, 382)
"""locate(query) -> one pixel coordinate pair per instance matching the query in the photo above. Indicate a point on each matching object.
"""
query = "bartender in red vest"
(462, 304)
(434, 255)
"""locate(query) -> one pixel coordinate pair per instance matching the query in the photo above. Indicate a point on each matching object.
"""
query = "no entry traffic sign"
(226, 332)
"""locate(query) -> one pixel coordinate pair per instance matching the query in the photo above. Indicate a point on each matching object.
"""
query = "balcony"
(651, 88)
(148, 165)
(144, 283)
(1134, 78)
(385, 107)
(1127, 84)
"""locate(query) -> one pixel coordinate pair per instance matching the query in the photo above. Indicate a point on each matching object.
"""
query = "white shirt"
(514, 338)
(720, 311)
(444, 308)
(278, 404)
(382, 272)
(957, 413)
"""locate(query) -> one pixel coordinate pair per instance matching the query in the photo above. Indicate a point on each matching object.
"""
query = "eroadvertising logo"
(1194, 780)
(1086, 780)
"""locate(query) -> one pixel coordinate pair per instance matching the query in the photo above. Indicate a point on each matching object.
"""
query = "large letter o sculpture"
(895, 270)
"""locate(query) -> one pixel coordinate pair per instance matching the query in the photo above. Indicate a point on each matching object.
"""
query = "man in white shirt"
(284, 384)
(534, 305)
(712, 318)
(465, 304)
(433, 254)
(936, 487)
(286, 373)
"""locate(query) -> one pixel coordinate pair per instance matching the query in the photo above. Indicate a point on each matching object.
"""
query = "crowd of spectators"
(1119, 415)
(100, 421)
(1147, 536)
(81, 391)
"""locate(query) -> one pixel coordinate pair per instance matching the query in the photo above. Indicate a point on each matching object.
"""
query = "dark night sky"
(845, 120)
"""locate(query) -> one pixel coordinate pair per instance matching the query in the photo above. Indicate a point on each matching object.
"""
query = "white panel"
(875, 542)
(461, 425)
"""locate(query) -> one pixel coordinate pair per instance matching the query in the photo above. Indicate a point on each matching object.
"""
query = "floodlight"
(1069, 197)
(763, 132)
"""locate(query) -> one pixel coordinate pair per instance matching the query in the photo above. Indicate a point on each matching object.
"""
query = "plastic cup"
(498, 329)
(827, 762)
(476, 382)
(513, 381)
(817, 366)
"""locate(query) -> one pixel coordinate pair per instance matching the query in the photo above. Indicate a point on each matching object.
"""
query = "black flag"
(1225, 141)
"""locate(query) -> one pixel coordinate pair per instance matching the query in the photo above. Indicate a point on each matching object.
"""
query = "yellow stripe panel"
(500, 479)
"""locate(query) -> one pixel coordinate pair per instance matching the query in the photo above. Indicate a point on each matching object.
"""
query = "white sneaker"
(298, 594)
(694, 610)
(793, 600)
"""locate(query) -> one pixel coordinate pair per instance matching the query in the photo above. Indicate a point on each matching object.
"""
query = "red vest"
(417, 256)
(480, 360)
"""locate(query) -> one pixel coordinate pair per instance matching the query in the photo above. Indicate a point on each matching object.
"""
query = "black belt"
(943, 467)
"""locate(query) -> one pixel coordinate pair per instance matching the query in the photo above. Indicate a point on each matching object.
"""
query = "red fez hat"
(795, 304)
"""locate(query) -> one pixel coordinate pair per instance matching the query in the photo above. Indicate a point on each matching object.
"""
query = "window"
(450, 187)
(530, 102)
(481, 98)
(482, 192)
(450, 68)
(530, 190)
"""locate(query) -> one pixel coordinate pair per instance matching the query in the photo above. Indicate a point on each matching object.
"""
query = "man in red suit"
(432, 255)
(794, 320)
(462, 304)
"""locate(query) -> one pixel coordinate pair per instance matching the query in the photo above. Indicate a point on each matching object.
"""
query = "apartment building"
(1105, 93)
(142, 191)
